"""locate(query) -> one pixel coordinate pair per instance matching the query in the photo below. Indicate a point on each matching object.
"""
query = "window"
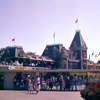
(75, 44)
(71, 65)
(54, 50)
(84, 66)
(46, 51)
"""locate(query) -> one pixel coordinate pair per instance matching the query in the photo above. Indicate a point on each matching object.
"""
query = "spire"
(78, 41)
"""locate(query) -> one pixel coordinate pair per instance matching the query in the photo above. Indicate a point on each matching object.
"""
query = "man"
(75, 81)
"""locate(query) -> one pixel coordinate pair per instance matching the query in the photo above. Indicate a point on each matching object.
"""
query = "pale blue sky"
(33, 22)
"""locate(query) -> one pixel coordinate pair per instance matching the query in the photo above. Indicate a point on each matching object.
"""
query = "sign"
(17, 68)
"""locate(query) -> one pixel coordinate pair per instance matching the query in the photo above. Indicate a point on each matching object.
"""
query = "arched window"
(54, 50)
(75, 44)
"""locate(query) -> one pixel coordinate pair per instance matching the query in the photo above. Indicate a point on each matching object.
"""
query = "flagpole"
(77, 25)
(14, 41)
(54, 37)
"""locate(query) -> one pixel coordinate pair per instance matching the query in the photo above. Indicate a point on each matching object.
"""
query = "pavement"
(43, 95)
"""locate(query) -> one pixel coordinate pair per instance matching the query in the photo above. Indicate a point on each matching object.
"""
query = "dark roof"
(78, 40)
(13, 52)
(50, 49)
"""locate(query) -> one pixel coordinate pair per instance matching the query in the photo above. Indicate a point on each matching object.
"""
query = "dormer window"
(54, 50)
(46, 51)
(71, 55)
(7, 53)
(75, 55)
(21, 53)
(75, 44)
(64, 50)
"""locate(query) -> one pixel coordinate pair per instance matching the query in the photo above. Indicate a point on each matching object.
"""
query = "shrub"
(91, 92)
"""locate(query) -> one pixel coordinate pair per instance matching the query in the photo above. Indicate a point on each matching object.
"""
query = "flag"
(13, 39)
(92, 53)
(76, 21)
(54, 35)
(98, 54)
(35, 57)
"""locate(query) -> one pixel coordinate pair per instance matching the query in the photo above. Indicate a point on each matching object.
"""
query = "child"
(31, 87)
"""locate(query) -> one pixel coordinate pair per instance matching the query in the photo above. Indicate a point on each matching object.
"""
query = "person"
(37, 84)
(22, 86)
(24, 78)
(86, 81)
(96, 79)
(17, 83)
(14, 82)
(91, 79)
(33, 82)
(75, 81)
(29, 81)
(80, 79)
(60, 81)
(72, 83)
(31, 87)
(63, 84)
(50, 83)
(56, 84)
(68, 83)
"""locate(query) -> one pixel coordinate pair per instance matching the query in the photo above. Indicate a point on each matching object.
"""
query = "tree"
(58, 58)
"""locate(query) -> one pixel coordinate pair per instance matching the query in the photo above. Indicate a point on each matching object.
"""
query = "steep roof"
(50, 49)
(78, 40)
(13, 52)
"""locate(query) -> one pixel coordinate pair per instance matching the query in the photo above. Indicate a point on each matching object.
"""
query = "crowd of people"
(27, 83)
(64, 83)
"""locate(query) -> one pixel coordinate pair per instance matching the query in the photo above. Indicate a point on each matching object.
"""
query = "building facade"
(73, 58)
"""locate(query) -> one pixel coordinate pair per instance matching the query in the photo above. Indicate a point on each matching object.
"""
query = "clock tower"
(79, 46)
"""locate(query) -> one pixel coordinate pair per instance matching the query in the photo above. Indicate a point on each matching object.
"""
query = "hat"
(28, 75)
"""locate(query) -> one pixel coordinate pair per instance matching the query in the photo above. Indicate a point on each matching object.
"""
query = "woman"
(29, 82)
(63, 84)
(37, 84)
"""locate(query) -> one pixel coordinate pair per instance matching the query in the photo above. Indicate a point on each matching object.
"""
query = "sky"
(33, 22)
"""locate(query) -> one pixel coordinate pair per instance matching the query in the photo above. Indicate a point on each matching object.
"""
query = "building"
(73, 58)
(16, 56)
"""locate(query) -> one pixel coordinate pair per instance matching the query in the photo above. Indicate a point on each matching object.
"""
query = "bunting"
(52, 63)
(45, 62)
(38, 62)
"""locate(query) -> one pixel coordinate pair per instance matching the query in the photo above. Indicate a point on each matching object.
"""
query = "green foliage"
(91, 92)
(58, 58)
(1, 76)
